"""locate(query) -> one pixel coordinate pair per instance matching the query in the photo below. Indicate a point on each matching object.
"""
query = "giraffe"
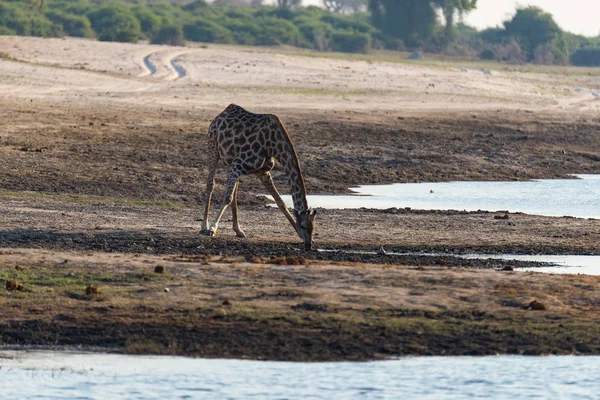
(249, 144)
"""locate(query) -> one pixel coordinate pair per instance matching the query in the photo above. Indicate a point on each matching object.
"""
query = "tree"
(340, 6)
(533, 27)
(449, 9)
(289, 3)
(412, 21)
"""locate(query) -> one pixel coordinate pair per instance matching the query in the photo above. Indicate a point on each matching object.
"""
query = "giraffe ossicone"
(249, 144)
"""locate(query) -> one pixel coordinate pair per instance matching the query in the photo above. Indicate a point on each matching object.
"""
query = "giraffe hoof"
(241, 235)
(207, 232)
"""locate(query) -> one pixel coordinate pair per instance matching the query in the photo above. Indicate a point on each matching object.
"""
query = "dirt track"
(100, 158)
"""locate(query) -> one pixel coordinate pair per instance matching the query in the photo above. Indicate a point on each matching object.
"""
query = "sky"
(576, 16)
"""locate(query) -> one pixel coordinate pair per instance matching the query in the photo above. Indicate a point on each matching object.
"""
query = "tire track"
(167, 67)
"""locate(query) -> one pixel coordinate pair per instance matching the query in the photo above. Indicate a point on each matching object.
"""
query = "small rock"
(505, 216)
(159, 269)
(167, 290)
(226, 303)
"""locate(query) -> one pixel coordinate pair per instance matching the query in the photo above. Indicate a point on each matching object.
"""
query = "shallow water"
(552, 197)
(561, 264)
(46, 374)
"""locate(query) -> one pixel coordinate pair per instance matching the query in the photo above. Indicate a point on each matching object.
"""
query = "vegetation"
(586, 58)
(169, 34)
(356, 26)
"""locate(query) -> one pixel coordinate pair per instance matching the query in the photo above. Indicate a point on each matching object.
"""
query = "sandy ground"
(103, 166)
(264, 80)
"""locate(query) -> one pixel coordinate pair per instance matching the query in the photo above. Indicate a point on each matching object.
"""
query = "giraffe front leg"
(234, 212)
(210, 186)
(267, 181)
(234, 174)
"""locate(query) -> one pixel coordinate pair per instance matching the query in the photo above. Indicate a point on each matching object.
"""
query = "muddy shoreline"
(291, 308)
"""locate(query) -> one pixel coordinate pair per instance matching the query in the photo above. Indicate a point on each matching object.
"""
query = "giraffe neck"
(288, 159)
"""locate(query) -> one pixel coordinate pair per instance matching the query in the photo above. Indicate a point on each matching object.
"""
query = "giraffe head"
(305, 225)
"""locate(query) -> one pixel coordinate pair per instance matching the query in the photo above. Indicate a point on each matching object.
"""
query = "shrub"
(6, 31)
(512, 52)
(115, 23)
(202, 30)
(345, 23)
(487, 54)
(72, 25)
(243, 32)
(169, 34)
(23, 21)
(149, 22)
(532, 27)
(350, 42)
(586, 58)
(276, 31)
(310, 27)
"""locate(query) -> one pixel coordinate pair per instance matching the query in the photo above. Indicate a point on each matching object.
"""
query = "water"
(552, 197)
(563, 264)
(178, 68)
(59, 375)
(149, 65)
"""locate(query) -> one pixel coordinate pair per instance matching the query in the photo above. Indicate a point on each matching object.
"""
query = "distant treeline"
(530, 36)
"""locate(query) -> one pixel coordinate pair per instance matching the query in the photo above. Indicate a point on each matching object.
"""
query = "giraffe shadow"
(142, 242)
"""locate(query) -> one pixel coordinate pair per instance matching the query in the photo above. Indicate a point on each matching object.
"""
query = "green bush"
(115, 23)
(487, 54)
(202, 30)
(72, 25)
(309, 27)
(532, 27)
(347, 23)
(169, 34)
(243, 32)
(6, 31)
(276, 31)
(26, 22)
(149, 22)
(586, 58)
(130, 20)
(350, 42)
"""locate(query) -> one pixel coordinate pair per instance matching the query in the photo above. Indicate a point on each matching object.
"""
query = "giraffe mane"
(293, 150)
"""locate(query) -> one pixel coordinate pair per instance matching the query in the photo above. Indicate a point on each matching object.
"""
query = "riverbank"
(291, 308)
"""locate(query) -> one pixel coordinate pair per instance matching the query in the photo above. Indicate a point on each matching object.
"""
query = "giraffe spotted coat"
(249, 144)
